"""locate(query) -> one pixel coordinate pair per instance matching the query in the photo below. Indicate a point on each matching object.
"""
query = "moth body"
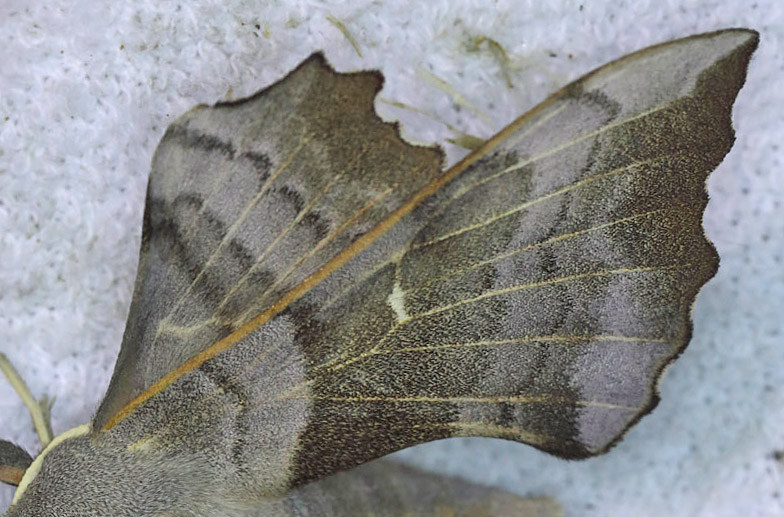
(90, 477)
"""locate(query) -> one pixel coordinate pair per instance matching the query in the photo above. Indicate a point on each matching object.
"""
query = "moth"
(314, 293)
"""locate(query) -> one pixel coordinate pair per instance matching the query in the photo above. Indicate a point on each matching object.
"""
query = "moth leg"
(39, 410)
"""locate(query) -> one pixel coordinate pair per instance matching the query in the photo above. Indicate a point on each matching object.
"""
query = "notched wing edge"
(713, 259)
(319, 60)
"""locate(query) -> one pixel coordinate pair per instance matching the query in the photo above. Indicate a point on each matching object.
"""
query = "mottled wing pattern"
(546, 288)
(248, 199)
(387, 489)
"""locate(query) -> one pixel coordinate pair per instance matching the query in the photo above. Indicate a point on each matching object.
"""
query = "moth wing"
(546, 288)
(246, 200)
(387, 488)
(533, 292)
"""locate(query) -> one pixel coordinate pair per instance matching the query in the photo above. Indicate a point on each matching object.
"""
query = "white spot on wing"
(397, 300)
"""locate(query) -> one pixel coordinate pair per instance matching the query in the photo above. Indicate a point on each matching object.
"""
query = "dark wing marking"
(248, 199)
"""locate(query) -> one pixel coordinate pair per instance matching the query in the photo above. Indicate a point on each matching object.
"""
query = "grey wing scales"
(246, 200)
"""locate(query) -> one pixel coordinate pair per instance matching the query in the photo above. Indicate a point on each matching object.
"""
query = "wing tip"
(751, 36)
(746, 42)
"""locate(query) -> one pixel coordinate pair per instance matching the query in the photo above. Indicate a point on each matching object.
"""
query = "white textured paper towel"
(87, 89)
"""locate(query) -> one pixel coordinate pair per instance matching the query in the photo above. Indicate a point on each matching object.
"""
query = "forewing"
(547, 287)
(248, 199)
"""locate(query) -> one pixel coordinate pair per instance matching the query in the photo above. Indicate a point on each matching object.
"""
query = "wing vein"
(335, 364)
(535, 245)
(573, 339)
(540, 199)
(263, 256)
(230, 233)
(323, 242)
(559, 148)
(509, 399)
(532, 285)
